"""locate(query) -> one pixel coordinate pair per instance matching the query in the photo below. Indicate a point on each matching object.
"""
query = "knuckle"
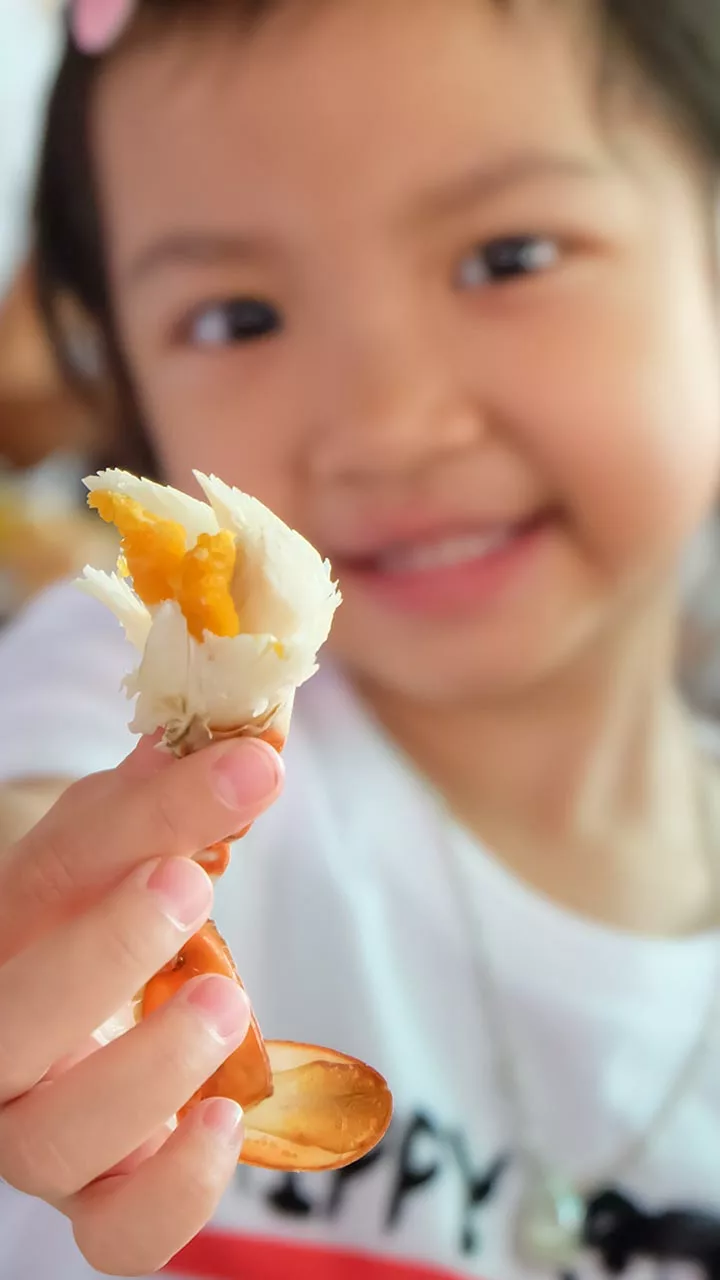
(80, 799)
(185, 1058)
(205, 1181)
(168, 825)
(83, 791)
(181, 1057)
(45, 878)
(33, 1163)
(126, 950)
(13, 1076)
(12, 1082)
(107, 1255)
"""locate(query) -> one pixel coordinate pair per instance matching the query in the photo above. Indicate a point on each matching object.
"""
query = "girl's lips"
(451, 575)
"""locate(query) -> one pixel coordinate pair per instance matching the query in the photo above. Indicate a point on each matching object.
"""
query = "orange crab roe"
(154, 555)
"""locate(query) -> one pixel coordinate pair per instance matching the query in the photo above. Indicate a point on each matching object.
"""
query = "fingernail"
(247, 774)
(183, 891)
(223, 1007)
(224, 1118)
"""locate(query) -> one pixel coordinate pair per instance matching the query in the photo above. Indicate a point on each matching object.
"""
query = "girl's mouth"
(449, 574)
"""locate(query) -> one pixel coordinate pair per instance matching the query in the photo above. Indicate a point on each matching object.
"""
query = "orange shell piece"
(215, 860)
(245, 1076)
(306, 1107)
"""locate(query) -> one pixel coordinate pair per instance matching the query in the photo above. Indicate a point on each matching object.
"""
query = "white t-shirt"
(342, 911)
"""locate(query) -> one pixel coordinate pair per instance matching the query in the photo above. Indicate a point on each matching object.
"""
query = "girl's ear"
(96, 24)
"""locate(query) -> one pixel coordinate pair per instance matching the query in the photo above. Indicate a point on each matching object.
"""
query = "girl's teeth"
(446, 554)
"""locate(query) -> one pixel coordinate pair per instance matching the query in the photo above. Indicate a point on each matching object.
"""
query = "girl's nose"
(387, 415)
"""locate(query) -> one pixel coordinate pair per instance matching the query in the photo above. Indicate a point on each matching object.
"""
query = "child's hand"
(98, 897)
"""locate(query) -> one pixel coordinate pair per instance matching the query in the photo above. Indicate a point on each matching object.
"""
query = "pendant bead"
(550, 1221)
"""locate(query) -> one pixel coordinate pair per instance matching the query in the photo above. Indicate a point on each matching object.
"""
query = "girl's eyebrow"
(495, 179)
(221, 248)
(193, 248)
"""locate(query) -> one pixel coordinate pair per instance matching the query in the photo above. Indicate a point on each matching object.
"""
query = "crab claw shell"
(326, 1111)
(306, 1108)
(246, 1074)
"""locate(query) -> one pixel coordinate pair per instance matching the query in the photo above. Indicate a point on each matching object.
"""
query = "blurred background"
(49, 437)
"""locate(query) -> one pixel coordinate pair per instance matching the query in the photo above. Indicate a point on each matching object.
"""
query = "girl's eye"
(238, 320)
(509, 259)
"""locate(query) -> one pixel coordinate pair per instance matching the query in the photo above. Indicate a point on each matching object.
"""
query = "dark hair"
(675, 44)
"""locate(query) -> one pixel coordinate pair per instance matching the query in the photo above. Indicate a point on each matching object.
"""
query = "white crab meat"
(282, 592)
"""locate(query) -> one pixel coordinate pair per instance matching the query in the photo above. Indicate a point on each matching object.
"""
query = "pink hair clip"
(96, 24)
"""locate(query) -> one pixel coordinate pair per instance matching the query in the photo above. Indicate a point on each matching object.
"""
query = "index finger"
(95, 836)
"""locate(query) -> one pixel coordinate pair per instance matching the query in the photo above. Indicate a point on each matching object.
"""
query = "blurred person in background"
(437, 281)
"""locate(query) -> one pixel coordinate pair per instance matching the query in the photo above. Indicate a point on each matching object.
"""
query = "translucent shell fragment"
(326, 1110)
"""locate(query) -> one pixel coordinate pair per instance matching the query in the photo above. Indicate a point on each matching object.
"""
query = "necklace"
(548, 1229)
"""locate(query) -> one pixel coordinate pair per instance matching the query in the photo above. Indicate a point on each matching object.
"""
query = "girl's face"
(400, 270)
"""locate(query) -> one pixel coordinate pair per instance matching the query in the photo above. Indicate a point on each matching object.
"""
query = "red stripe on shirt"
(216, 1255)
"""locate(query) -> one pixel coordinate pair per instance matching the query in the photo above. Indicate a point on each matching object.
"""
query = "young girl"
(436, 280)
